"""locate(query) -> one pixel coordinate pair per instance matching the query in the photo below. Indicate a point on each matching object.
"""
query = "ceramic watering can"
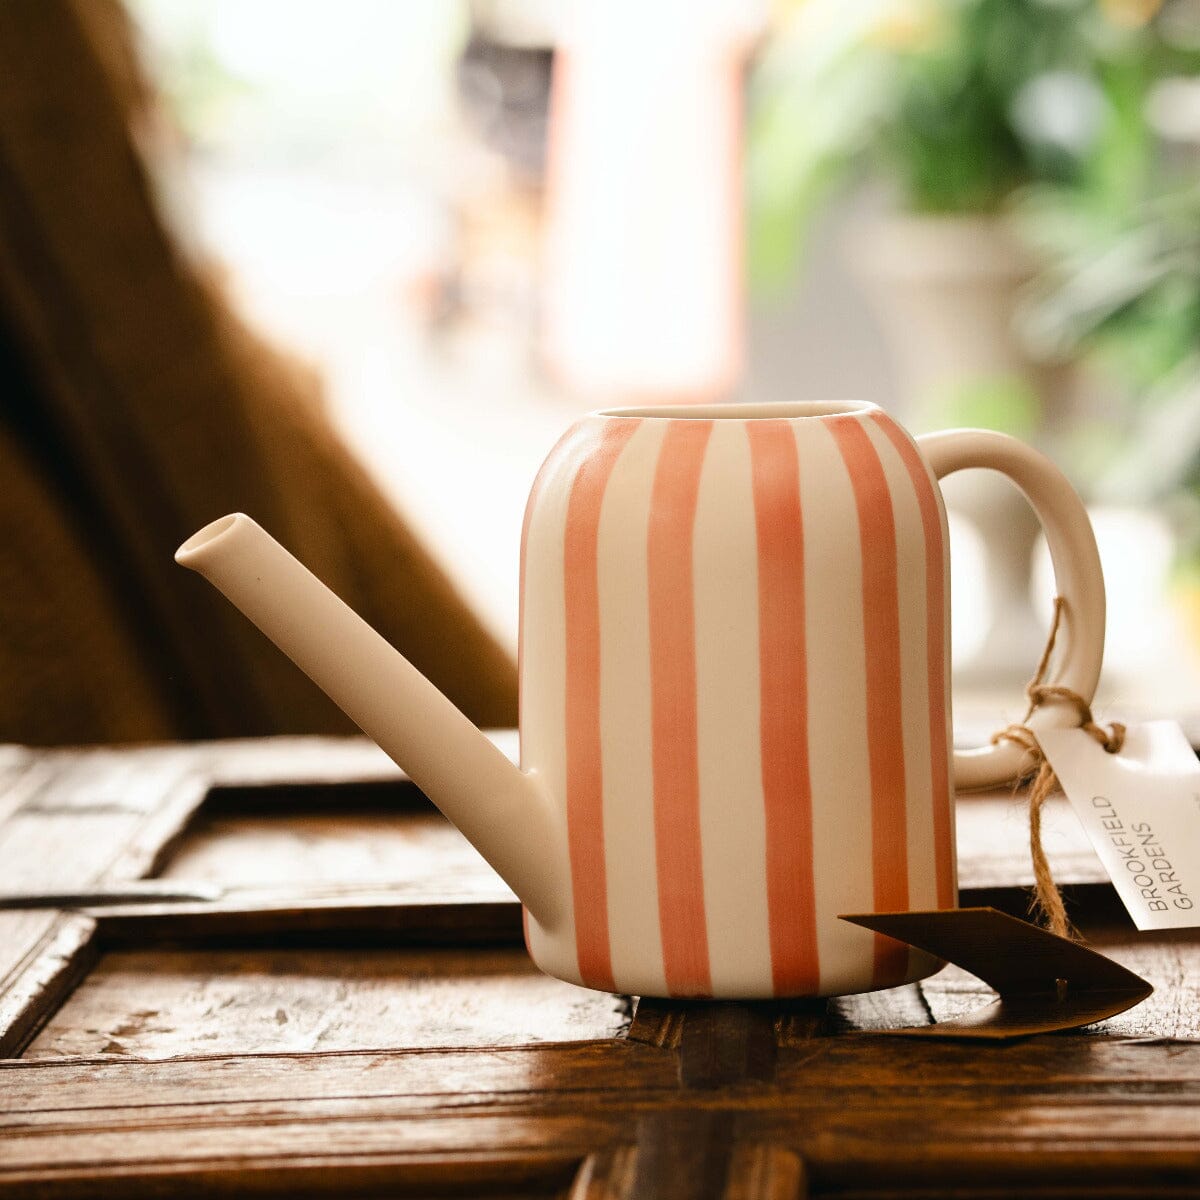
(735, 713)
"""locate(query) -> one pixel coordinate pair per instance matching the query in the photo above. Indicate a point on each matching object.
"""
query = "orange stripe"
(783, 670)
(673, 700)
(881, 629)
(935, 603)
(585, 788)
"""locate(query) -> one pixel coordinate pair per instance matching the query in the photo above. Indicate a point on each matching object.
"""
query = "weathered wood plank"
(1170, 960)
(986, 1152)
(725, 1044)
(608, 1174)
(22, 771)
(662, 1023)
(123, 1093)
(288, 1157)
(893, 1008)
(81, 817)
(657, 1023)
(70, 819)
(1070, 1064)
(693, 1154)
(426, 917)
(1089, 1110)
(992, 834)
(61, 958)
(882, 1143)
(761, 1171)
(412, 846)
(472, 1175)
(162, 1003)
(858, 1074)
(254, 762)
(683, 1153)
(725, 1100)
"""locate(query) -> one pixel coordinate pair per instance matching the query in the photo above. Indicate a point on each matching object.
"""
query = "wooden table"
(355, 1015)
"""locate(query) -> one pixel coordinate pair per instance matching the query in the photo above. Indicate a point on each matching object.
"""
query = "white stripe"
(732, 809)
(839, 753)
(947, 687)
(625, 715)
(544, 679)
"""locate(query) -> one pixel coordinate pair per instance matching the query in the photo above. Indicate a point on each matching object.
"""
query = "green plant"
(1122, 290)
(1120, 287)
(959, 104)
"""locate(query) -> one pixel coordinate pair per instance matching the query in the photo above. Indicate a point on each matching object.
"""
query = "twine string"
(1047, 903)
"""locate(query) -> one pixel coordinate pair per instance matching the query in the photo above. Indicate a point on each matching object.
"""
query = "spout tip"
(204, 539)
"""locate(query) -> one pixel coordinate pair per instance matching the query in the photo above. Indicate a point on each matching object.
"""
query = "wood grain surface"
(355, 1016)
(170, 1002)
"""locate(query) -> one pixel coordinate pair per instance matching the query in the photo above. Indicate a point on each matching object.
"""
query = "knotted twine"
(1047, 904)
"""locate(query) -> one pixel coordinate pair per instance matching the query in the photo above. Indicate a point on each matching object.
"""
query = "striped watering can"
(735, 708)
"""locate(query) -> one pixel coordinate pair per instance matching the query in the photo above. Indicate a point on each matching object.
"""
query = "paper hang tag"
(1046, 982)
(1141, 809)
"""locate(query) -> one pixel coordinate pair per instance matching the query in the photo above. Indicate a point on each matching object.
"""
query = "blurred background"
(355, 266)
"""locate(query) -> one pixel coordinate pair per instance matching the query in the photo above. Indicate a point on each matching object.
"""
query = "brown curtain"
(135, 407)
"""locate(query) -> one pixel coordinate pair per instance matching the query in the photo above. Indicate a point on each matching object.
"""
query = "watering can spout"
(503, 811)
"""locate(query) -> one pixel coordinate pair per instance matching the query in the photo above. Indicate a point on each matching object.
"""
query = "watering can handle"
(1077, 573)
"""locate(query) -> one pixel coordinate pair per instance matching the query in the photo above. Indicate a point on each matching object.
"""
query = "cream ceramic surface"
(734, 692)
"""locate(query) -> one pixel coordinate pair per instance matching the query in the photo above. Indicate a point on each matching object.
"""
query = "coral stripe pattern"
(674, 719)
(935, 600)
(733, 668)
(625, 714)
(585, 791)
(787, 789)
(881, 628)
